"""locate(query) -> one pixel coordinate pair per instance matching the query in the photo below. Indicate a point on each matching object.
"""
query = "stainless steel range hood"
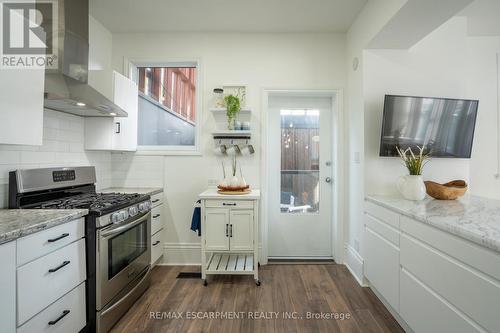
(66, 87)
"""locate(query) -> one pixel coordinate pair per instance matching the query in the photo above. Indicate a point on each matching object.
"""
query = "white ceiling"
(226, 15)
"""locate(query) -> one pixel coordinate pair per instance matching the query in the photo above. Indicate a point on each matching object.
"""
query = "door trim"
(338, 155)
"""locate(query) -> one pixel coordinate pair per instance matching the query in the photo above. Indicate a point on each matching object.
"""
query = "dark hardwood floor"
(292, 290)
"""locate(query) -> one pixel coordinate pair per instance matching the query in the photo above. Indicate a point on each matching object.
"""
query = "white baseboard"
(354, 263)
(181, 254)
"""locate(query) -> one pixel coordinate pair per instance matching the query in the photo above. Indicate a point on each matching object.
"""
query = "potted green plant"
(412, 186)
(233, 107)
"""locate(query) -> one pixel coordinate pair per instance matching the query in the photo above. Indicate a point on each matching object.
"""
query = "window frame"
(131, 67)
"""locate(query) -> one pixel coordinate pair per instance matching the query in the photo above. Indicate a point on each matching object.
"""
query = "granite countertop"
(16, 223)
(211, 193)
(473, 218)
(140, 190)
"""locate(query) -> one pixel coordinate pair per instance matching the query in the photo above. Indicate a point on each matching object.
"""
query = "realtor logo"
(28, 39)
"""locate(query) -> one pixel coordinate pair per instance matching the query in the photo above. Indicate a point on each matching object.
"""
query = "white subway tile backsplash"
(39, 157)
(10, 157)
(63, 138)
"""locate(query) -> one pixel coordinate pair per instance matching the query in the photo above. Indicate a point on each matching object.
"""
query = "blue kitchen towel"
(196, 220)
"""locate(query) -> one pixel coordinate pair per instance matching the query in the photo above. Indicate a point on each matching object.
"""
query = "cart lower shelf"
(220, 263)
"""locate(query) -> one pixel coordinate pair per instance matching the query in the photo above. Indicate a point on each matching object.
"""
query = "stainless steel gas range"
(117, 231)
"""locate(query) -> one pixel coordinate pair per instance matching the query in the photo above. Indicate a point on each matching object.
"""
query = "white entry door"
(300, 176)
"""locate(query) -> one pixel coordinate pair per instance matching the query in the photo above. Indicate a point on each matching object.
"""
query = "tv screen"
(444, 126)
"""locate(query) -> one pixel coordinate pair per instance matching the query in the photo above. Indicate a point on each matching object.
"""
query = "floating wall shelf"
(232, 134)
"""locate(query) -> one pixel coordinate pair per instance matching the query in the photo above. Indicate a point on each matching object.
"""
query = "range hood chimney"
(66, 87)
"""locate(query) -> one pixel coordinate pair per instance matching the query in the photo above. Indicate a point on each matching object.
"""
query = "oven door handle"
(122, 228)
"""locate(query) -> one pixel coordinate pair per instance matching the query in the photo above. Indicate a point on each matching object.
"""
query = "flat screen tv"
(444, 126)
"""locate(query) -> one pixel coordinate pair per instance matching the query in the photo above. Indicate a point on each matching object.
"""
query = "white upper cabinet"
(118, 133)
(126, 96)
(21, 106)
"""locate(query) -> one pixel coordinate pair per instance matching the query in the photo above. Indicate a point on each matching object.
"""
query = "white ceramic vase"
(411, 187)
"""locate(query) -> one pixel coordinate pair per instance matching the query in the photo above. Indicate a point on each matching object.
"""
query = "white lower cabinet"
(425, 312)
(8, 287)
(157, 228)
(58, 273)
(65, 315)
(435, 281)
(44, 291)
(156, 246)
(382, 266)
(229, 242)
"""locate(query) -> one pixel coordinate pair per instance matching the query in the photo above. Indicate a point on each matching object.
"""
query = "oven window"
(126, 247)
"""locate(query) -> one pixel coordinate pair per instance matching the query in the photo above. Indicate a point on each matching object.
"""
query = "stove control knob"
(132, 211)
(115, 218)
(123, 215)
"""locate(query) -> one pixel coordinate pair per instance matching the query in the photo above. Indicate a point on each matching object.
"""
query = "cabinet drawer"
(248, 204)
(450, 278)
(425, 312)
(157, 199)
(156, 246)
(383, 214)
(40, 243)
(156, 219)
(383, 229)
(37, 287)
(382, 266)
(482, 259)
(72, 322)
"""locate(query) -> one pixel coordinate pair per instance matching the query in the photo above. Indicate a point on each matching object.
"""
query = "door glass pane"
(300, 161)
(126, 247)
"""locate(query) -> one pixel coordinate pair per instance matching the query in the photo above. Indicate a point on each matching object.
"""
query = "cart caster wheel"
(258, 264)
(205, 283)
(257, 283)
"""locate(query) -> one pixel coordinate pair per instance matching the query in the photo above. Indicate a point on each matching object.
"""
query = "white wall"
(433, 67)
(447, 63)
(371, 20)
(62, 146)
(287, 61)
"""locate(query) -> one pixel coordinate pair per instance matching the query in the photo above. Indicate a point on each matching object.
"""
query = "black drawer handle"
(64, 314)
(156, 243)
(52, 270)
(155, 200)
(155, 216)
(58, 238)
(228, 204)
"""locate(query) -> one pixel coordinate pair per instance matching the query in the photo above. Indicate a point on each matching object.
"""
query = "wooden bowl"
(448, 191)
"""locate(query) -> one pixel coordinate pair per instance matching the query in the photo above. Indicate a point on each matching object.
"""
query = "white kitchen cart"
(229, 234)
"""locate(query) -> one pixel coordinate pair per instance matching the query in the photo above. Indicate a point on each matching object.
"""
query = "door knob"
(328, 179)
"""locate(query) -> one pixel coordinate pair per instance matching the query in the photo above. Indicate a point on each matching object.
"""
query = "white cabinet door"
(382, 266)
(216, 229)
(424, 311)
(118, 133)
(8, 287)
(21, 106)
(126, 96)
(241, 230)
